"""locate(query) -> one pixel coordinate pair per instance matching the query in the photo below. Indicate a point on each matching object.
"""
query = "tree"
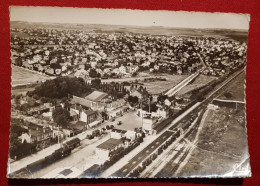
(134, 74)
(61, 116)
(93, 73)
(61, 87)
(96, 83)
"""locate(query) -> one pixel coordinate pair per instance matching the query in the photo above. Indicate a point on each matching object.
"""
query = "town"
(114, 95)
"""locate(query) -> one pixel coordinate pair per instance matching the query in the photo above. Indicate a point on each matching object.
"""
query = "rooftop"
(119, 131)
(39, 131)
(96, 96)
(110, 144)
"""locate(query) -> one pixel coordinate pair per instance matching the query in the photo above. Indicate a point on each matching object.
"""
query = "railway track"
(184, 154)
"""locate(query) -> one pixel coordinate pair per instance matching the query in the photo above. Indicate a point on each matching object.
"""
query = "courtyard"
(129, 120)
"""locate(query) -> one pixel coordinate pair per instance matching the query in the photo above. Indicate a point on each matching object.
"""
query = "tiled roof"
(82, 101)
(110, 144)
(96, 96)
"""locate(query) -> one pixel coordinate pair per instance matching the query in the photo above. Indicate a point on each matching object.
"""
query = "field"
(240, 35)
(157, 87)
(22, 76)
(236, 91)
(222, 146)
(200, 81)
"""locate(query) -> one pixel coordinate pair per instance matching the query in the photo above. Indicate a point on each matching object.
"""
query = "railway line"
(133, 163)
(168, 157)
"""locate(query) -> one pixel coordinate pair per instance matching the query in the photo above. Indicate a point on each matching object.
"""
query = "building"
(97, 96)
(122, 69)
(88, 116)
(149, 123)
(131, 135)
(104, 150)
(117, 133)
(41, 136)
(98, 101)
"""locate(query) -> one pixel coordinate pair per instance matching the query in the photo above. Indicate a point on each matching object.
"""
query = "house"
(131, 135)
(133, 68)
(122, 69)
(162, 112)
(104, 150)
(149, 123)
(41, 136)
(58, 71)
(97, 96)
(96, 100)
(88, 116)
(93, 64)
(167, 102)
(81, 73)
(117, 133)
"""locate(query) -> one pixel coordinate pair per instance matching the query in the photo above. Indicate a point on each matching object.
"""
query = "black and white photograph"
(121, 93)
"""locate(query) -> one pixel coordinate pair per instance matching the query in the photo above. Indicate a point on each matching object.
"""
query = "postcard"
(118, 93)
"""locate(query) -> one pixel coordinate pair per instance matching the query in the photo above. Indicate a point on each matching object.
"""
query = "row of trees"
(61, 116)
(61, 87)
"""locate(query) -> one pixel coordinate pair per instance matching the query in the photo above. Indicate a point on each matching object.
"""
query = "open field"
(22, 76)
(200, 81)
(153, 30)
(23, 90)
(236, 91)
(157, 87)
(223, 132)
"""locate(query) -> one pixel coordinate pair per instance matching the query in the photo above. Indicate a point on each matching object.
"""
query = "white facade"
(102, 154)
(130, 135)
(148, 123)
(115, 135)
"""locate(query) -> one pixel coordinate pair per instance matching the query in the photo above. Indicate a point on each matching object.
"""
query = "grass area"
(20, 34)
(23, 76)
(157, 87)
(22, 90)
(236, 91)
(199, 82)
(222, 144)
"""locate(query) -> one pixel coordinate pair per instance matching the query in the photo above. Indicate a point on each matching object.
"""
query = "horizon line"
(176, 27)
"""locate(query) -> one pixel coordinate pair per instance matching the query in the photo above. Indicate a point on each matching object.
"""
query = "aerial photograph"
(118, 93)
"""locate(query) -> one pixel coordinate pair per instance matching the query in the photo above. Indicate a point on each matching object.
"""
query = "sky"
(129, 17)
